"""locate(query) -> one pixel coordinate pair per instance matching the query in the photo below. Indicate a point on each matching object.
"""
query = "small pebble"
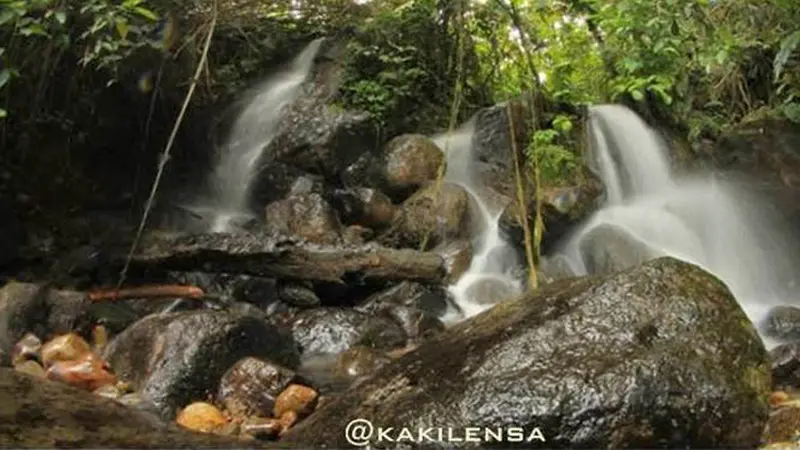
(778, 397)
(202, 417)
(296, 398)
(26, 348)
(67, 347)
(32, 368)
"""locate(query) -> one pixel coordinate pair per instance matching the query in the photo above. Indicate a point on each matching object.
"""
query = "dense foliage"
(702, 65)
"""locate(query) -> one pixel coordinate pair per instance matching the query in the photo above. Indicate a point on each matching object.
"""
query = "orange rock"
(67, 347)
(287, 420)
(778, 397)
(26, 349)
(89, 372)
(201, 416)
(297, 398)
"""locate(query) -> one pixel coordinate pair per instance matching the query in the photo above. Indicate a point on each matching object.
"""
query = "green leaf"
(122, 29)
(6, 16)
(5, 75)
(787, 48)
(61, 17)
(637, 95)
(146, 13)
(3, 113)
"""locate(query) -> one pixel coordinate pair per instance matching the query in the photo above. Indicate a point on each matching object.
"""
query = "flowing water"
(489, 277)
(704, 220)
(253, 130)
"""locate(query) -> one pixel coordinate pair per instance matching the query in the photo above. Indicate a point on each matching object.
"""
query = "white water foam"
(253, 130)
(494, 259)
(706, 221)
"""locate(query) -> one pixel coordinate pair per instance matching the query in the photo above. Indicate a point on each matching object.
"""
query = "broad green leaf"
(61, 17)
(122, 29)
(787, 48)
(6, 16)
(3, 113)
(637, 95)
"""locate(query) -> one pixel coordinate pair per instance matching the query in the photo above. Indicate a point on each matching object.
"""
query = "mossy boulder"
(660, 355)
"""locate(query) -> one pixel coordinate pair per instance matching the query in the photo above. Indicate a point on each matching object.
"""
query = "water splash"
(711, 222)
(489, 277)
(253, 130)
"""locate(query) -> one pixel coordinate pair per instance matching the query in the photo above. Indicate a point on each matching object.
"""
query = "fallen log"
(270, 255)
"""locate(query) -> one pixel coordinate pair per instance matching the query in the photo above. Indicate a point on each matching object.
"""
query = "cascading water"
(489, 277)
(252, 131)
(703, 220)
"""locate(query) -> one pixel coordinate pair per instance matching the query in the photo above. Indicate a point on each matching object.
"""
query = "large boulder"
(45, 414)
(177, 358)
(658, 356)
(334, 330)
(307, 216)
(409, 162)
(435, 214)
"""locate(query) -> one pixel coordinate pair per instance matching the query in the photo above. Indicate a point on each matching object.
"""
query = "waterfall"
(253, 130)
(489, 277)
(704, 220)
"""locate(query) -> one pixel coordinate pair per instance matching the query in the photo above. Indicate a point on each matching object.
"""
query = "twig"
(158, 291)
(165, 156)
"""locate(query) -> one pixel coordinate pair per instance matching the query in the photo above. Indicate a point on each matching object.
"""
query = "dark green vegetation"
(70, 73)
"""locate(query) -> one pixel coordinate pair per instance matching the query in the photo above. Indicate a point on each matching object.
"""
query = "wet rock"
(608, 249)
(250, 387)
(334, 330)
(432, 300)
(307, 216)
(30, 367)
(359, 362)
(87, 372)
(67, 347)
(409, 162)
(363, 206)
(298, 399)
(783, 425)
(26, 349)
(321, 139)
(782, 323)
(202, 417)
(298, 295)
(563, 209)
(786, 365)
(273, 256)
(262, 427)
(43, 414)
(431, 216)
(258, 291)
(490, 291)
(613, 361)
(457, 256)
(175, 358)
